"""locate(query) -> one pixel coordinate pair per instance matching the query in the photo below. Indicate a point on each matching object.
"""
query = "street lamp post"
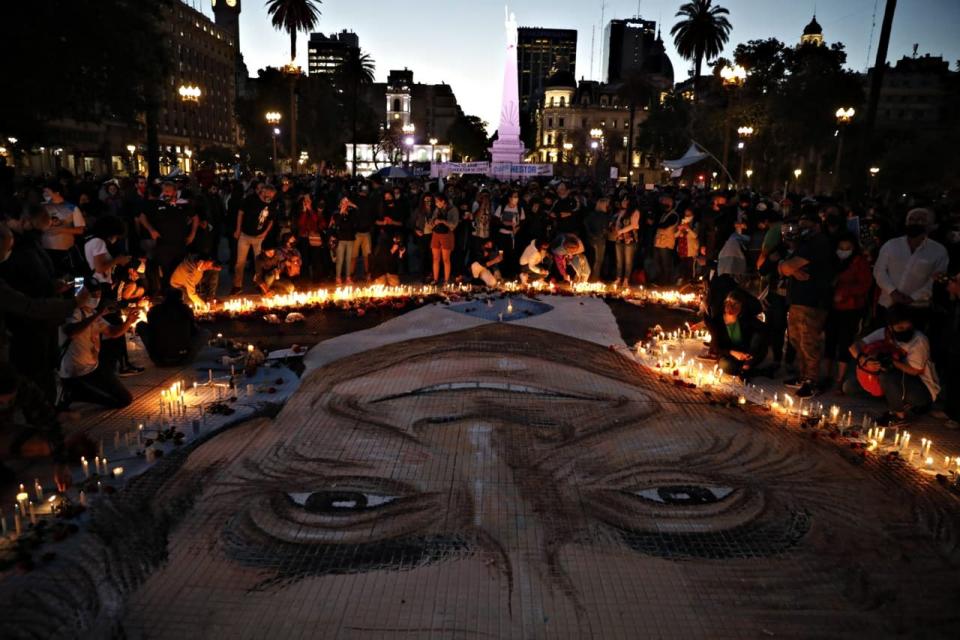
(293, 72)
(408, 131)
(596, 141)
(749, 173)
(844, 116)
(796, 177)
(732, 77)
(874, 173)
(567, 148)
(744, 133)
(132, 150)
(273, 119)
(433, 150)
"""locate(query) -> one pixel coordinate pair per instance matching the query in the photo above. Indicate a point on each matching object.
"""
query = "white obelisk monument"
(507, 147)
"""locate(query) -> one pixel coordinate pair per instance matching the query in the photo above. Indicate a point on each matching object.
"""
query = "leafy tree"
(88, 60)
(639, 90)
(468, 135)
(700, 34)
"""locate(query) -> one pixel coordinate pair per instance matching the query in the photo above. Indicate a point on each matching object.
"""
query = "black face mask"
(916, 230)
(902, 336)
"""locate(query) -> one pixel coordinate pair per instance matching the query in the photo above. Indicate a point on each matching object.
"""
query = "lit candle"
(17, 521)
(210, 376)
(83, 498)
(742, 400)
(96, 464)
(105, 467)
(118, 472)
(22, 498)
(249, 348)
(834, 413)
(929, 444)
(86, 467)
(928, 463)
(33, 512)
(38, 489)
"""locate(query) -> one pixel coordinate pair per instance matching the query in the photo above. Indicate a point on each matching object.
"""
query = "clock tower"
(227, 16)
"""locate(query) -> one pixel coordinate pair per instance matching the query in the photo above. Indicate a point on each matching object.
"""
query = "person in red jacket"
(311, 237)
(851, 291)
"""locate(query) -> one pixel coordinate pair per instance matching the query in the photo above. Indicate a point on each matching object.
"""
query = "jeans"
(344, 253)
(900, 391)
(663, 258)
(599, 247)
(244, 244)
(625, 256)
(100, 386)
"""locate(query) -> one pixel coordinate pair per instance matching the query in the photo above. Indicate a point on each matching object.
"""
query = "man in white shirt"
(66, 224)
(531, 261)
(909, 380)
(82, 377)
(907, 265)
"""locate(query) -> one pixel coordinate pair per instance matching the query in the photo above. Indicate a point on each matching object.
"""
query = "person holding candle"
(387, 258)
(268, 271)
(170, 333)
(908, 378)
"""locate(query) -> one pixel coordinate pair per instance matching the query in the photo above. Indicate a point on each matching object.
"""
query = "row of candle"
(784, 405)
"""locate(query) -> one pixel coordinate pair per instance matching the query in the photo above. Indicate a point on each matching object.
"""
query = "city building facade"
(632, 45)
(325, 54)
(917, 93)
(540, 52)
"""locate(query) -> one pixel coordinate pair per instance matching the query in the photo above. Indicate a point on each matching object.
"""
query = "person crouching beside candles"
(197, 277)
(29, 427)
(905, 372)
(170, 333)
(486, 268)
(385, 266)
(268, 271)
(741, 339)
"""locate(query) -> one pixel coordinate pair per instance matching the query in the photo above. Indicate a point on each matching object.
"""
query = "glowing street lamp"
(189, 93)
(433, 151)
(733, 75)
(874, 172)
(274, 117)
(844, 116)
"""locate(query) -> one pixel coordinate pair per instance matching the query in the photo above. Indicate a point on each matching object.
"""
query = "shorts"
(442, 241)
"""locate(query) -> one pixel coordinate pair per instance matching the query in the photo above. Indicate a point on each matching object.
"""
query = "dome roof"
(657, 62)
(559, 79)
(814, 28)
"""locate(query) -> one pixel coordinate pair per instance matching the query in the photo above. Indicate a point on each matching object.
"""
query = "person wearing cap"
(907, 265)
(809, 272)
(189, 275)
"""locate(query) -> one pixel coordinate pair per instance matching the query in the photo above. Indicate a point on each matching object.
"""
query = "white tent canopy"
(693, 155)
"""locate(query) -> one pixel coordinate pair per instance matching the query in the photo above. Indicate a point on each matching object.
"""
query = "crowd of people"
(828, 296)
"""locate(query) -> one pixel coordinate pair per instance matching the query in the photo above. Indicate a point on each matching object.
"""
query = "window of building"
(396, 104)
(549, 123)
(563, 101)
(551, 101)
(549, 140)
(560, 122)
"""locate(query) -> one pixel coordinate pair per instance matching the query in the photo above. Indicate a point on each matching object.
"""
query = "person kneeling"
(740, 340)
(193, 277)
(170, 334)
(385, 267)
(80, 374)
(268, 271)
(897, 359)
(486, 268)
(534, 265)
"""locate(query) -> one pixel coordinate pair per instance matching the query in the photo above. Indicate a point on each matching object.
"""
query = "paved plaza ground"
(443, 474)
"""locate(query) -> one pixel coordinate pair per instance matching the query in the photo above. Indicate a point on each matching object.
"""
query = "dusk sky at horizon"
(462, 42)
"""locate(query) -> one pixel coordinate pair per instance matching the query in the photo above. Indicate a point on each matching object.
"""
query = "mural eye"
(684, 494)
(340, 501)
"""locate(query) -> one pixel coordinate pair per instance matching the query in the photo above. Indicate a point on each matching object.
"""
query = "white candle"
(86, 467)
(83, 498)
(33, 513)
(22, 498)
(17, 522)
(38, 489)
(96, 464)
(118, 472)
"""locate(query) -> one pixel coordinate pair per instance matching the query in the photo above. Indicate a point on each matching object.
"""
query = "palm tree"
(701, 34)
(293, 16)
(355, 70)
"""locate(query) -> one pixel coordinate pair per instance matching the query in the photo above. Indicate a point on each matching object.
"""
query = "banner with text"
(503, 170)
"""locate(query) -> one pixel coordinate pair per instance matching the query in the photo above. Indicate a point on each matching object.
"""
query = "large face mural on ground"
(511, 482)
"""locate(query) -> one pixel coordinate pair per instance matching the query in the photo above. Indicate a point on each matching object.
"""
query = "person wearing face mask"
(740, 340)
(908, 378)
(81, 376)
(850, 294)
(907, 265)
(731, 259)
(688, 246)
(808, 273)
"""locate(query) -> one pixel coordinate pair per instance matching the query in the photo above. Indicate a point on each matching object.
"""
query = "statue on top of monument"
(511, 25)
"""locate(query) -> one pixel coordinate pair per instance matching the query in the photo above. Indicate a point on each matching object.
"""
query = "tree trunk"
(353, 128)
(876, 84)
(153, 136)
(633, 113)
(293, 125)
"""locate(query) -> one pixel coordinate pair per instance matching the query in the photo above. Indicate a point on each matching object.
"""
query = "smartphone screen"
(77, 285)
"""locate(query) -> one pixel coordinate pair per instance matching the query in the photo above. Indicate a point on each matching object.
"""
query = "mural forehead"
(511, 482)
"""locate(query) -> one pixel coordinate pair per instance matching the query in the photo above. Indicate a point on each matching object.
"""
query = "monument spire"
(507, 147)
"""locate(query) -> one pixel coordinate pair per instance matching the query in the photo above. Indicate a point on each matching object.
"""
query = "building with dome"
(812, 33)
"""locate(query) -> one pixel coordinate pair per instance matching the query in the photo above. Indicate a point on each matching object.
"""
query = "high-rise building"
(917, 93)
(326, 54)
(540, 52)
(626, 46)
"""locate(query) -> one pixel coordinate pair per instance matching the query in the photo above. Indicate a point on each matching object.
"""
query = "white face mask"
(843, 255)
